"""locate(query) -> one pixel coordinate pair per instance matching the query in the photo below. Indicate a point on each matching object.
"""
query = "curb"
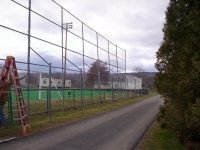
(6, 140)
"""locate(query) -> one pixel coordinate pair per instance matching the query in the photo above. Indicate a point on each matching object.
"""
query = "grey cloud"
(133, 25)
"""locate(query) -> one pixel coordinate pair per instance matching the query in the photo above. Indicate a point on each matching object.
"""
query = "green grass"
(41, 122)
(160, 139)
(74, 101)
(57, 94)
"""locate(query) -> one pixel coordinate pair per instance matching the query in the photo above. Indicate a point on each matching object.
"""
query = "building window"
(58, 82)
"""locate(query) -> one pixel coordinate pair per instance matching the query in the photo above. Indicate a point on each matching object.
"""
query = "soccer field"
(57, 94)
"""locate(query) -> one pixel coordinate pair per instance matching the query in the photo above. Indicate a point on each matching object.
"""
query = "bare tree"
(139, 72)
(138, 69)
(147, 77)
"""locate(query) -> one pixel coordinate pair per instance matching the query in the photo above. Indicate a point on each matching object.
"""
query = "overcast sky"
(133, 25)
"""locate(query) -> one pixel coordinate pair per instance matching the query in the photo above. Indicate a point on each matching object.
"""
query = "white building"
(57, 83)
(131, 82)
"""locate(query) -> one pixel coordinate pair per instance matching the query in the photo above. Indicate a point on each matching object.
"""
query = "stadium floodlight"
(67, 26)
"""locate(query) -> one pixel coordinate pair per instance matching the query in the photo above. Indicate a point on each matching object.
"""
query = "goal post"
(42, 81)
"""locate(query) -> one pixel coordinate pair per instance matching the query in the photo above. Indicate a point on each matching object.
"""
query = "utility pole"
(68, 26)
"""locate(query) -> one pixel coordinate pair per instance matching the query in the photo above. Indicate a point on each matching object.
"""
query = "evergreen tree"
(178, 65)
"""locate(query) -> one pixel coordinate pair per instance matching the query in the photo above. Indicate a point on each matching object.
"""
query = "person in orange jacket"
(3, 99)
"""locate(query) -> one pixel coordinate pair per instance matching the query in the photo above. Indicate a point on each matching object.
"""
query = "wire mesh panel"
(64, 63)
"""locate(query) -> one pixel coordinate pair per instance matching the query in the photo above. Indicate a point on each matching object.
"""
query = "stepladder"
(18, 112)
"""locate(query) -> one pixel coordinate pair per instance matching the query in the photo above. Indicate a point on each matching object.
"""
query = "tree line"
(178, 77)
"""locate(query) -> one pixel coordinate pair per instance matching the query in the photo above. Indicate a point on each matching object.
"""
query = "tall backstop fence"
(62, 61)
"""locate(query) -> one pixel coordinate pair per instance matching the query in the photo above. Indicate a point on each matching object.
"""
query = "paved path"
(119, 129)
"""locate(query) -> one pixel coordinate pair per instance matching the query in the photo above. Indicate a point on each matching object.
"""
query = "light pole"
(68, 26)
(39, 82)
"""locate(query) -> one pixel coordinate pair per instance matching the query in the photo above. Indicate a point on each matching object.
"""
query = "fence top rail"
(84, 23)
(69, 30)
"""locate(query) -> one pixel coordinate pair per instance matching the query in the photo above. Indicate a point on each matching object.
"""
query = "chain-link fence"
(62, 62)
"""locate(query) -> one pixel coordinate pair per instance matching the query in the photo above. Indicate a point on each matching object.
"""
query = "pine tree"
(178, 65)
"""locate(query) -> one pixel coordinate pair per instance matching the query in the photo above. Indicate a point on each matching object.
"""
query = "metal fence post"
(49, 94)
(81, 87)
(63, 77)
(99, 89)
(29, 45)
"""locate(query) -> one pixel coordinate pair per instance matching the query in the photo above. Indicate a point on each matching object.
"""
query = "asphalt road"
(119, 129)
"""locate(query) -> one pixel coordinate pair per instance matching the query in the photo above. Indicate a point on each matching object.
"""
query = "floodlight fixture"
(68, 25)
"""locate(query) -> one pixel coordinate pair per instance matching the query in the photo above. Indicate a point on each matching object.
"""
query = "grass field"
(58, 94)
(72, 101)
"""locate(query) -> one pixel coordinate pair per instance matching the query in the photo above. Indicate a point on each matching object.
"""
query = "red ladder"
(23, 117)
